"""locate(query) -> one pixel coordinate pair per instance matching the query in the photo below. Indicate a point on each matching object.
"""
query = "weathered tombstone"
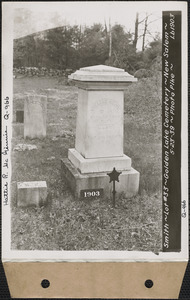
(99, 134)
(18, 105)
(20, 116)
(31, 193)
(18, 129)
(35, 113)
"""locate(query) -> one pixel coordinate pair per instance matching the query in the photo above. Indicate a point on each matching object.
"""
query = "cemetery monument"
(99, 134)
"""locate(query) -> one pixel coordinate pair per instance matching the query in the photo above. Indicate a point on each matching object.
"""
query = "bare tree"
(136, 31)
(105, 26)
(136, 35)
(110, 39)
(145, 31)
(145, 23)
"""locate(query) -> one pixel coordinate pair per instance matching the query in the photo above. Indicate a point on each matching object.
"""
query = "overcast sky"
(30, 17)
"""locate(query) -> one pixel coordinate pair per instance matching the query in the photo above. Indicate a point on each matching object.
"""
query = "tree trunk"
(106, 30)
(110, 42)
(144, 33)
(136, 31)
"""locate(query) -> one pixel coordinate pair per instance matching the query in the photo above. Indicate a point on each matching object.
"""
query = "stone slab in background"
(35, 114)
(20, 116)
(18, 104)
(128, 184)
(31, 193)
(18, 129)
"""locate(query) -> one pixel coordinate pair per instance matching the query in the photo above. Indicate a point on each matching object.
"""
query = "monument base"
(128, 184)
(96, 165)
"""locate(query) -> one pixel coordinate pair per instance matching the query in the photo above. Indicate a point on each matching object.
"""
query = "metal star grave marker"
(114, 176)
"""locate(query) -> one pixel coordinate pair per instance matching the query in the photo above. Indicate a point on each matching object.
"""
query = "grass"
(66, 223)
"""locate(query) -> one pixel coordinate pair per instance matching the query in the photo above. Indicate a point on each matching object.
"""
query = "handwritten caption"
(5, 150)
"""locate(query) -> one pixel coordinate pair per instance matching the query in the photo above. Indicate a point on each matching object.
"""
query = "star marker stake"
(114, 176)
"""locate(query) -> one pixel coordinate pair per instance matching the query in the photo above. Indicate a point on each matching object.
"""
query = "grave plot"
(65, 223)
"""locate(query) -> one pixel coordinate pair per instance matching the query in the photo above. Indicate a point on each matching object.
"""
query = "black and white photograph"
(95, 131)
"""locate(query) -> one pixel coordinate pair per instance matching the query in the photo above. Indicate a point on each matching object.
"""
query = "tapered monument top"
(102, 73)
(102, 68)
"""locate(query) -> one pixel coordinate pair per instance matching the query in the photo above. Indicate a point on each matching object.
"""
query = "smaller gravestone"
(19, 116)
(35, 113)
(17, 129)
(31, 193)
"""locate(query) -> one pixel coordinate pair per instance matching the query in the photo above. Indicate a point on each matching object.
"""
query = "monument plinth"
(99, 132)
